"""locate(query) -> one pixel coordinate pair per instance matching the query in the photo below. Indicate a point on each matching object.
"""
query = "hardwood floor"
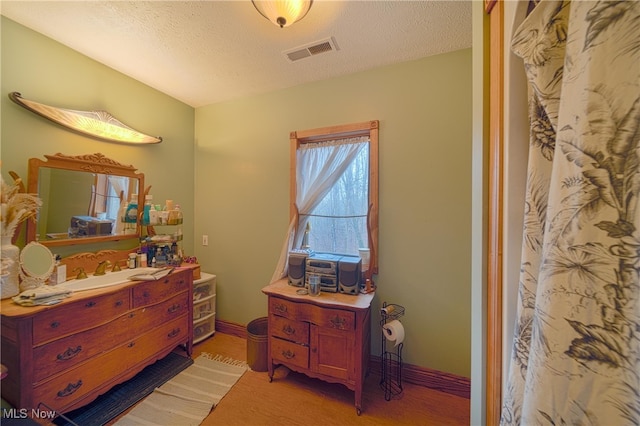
(294, 399)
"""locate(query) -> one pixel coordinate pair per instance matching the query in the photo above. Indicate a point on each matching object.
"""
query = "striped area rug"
(190, 396)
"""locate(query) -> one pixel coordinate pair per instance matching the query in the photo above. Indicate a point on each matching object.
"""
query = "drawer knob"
(174, 308)
(131, 344)
(69, 353)
(119, 303)
(70, 389)
(90, 304)
(280, 308)
(338, 322)
(173, 333)
(288, 330)
(55, 324)
(288, 354)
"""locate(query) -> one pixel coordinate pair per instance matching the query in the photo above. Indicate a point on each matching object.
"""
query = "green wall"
(239, 155)
(242, 187)
(48, 72)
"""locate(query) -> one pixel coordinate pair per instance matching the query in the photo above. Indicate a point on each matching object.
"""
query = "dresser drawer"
(67, 352)
(287, 329)
(74, 384)
(336, 319)
(151, 292)
(78, 316)
(283, 351)
(283, 308)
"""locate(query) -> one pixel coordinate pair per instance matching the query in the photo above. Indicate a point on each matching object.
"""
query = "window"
(338, 222)
(107, 193)
(334, 192)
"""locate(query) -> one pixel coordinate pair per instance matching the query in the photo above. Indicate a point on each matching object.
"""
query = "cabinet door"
(332, 352)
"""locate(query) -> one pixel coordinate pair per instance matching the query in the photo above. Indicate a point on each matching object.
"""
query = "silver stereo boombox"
(338, 273)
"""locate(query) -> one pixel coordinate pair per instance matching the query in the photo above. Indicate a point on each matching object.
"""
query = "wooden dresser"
(68, 354)
(326, 337)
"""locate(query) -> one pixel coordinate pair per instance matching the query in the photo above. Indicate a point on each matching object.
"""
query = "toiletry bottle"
(61, 272)
(132, 260)
(144, 249)
(154, 215)
(148, 204)
(120, 220)
(53, 279)
(178, 215)
(131, 216)
(175, 216)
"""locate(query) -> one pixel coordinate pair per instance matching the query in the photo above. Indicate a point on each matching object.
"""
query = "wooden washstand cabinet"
(327, 337)
(66, 355)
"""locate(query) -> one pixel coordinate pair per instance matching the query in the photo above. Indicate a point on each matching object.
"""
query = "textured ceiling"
(203, 52)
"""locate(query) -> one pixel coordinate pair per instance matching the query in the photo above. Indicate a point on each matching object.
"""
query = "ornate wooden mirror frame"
(96, 164)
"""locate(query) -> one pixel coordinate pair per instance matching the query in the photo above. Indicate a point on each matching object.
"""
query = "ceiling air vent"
(311, 49)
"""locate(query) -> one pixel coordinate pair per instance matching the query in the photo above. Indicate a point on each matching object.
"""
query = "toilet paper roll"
(394, 332)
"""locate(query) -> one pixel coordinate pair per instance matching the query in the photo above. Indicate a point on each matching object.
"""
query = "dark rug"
(117, 400)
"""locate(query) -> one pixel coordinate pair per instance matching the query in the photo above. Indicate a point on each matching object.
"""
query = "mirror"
(36, 265)
(83, 198)
(37, 261)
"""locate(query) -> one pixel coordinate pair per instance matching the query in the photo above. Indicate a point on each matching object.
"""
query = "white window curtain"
(319, 166)
(119, 184)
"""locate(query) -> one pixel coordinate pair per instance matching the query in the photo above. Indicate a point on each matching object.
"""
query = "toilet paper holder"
(391, 357)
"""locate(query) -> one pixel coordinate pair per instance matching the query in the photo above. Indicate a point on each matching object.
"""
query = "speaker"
(296, 269)
(349, 271)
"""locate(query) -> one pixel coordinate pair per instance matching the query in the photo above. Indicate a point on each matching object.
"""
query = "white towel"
(43, 295)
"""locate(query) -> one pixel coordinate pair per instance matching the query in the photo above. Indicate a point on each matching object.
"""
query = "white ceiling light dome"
(283, 13)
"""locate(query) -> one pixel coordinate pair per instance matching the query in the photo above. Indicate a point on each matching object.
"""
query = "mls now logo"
(23, 413)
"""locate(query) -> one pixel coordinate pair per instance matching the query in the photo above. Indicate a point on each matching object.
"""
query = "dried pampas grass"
(16, 207)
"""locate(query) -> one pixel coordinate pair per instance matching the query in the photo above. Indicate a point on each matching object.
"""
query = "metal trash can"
(257, 333)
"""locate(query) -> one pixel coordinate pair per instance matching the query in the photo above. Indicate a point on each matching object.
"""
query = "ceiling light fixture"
(98, 124)
(283, 13)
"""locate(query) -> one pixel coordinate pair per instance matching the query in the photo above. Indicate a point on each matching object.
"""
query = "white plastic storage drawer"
(204, 307)
(204, 328)
(204, 287)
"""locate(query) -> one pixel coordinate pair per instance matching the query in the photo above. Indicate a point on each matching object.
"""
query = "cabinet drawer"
(76, 383)
(78, 316)
(151, 292)
(67, 352)
(283, 308)
(289, 353)
(336, 319)
(294, 331)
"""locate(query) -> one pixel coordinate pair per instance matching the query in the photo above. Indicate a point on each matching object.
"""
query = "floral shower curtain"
(576, 352)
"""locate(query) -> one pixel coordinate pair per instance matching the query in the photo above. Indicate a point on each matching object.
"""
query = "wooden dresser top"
(281, 288)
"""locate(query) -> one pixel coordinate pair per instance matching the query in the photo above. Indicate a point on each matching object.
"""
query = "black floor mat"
(117, 400)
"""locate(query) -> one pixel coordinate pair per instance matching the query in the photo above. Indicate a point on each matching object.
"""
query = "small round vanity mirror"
(37, 263)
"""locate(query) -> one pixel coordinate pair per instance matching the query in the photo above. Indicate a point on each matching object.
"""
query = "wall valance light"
(98, 124)
(283, 13)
